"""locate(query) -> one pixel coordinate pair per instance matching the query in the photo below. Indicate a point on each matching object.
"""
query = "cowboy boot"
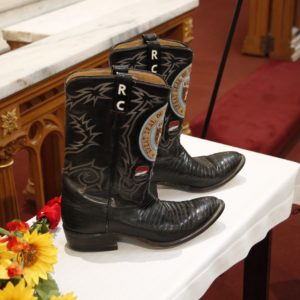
(113, 126)
(174, 166)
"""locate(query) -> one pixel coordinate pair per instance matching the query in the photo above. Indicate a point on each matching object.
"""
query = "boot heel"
(91, 241)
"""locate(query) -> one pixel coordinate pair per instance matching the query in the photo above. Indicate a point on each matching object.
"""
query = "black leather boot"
(113, 126)
(174, 166)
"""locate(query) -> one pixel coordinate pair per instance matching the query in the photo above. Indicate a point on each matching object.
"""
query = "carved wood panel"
(270, 27)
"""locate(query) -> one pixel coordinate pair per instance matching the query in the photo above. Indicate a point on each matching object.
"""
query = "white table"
(257, 199)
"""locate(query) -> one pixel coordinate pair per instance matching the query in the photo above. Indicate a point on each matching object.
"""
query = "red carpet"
(262, 113)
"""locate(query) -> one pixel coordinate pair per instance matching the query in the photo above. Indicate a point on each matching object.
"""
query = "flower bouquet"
(27, 256)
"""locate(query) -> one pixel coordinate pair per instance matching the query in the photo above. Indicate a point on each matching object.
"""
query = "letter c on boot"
(153, 69)
(120, 105)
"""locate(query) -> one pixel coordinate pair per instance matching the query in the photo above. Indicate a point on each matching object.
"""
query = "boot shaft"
(172, 60)
(161, 56)
(113, 124)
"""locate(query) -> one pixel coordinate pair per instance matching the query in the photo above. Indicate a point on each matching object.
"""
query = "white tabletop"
(63, 19)
(37, 61)
(257, 199)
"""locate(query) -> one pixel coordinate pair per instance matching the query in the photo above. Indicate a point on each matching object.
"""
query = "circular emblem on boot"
(179, 92)
(150, 134)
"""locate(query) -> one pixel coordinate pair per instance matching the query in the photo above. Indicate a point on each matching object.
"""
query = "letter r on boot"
(122, 89)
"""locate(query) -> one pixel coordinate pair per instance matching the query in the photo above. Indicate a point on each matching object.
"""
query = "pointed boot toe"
(218, 168)
(197, 174)
(166, 223)
(194, 217)
(205, 212)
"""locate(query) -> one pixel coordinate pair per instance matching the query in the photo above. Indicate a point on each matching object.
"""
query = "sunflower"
(69, 296)
(38, 257)
(5, 260)
(17, 292)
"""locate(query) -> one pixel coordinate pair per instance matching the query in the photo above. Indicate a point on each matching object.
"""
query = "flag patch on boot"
(141, 170)
(179, 92)
(173, 126)
(150, 134)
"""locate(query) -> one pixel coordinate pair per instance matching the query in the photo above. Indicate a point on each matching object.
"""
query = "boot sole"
(195, 189)
(92, 242)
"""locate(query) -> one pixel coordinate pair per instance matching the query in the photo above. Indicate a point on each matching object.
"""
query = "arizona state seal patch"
(179, 92)
(150, 134)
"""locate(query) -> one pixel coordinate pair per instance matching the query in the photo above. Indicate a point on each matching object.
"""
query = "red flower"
(54, 201)
(51, 211)
(14, 270)
(15, 245)
(17, 226)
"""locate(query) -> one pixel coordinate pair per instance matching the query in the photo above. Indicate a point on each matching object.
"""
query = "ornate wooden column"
(8, 198)
(283, 13)
(297, 14)
(9, 144)
(258, 27)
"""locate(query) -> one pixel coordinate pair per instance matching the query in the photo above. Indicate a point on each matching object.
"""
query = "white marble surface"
(27, 65)
(66, 18)
(31, 9)
(256, 200)
(4, 47)
(11, 4)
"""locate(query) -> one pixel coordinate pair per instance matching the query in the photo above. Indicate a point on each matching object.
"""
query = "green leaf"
(4, 231)
(41, 225)
(46, 288)
(18, 234)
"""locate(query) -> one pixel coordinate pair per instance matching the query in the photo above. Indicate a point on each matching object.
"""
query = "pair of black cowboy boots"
(123, 129)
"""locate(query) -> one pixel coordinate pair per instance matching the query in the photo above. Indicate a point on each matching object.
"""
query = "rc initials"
(154, 54)
(122, 89)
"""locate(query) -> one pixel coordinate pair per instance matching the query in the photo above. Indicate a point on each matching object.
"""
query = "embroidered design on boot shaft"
(170, 64)
(90, 94)
(138, 61)
(84, 132)
(88, 175)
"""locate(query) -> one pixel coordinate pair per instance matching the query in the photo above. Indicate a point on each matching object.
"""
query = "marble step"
(63, 19)
(37, 61)
(12, 14)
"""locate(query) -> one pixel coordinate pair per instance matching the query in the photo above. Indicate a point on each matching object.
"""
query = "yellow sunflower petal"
(5, 253)
(3, 273)
(68, 296)
(40, 257)
(20, 291)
